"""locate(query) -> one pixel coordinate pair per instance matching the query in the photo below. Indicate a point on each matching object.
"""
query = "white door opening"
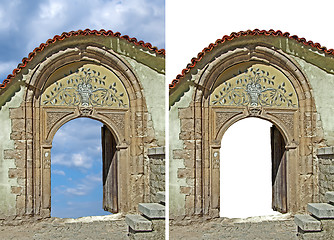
(245, 170)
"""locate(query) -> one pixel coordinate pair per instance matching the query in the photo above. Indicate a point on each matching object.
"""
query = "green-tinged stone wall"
(7, 185)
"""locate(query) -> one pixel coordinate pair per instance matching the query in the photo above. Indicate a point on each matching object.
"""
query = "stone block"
(18, 124)
(321, 210)
(152, 210)
(16, 190)
(156, 151)
(161, 196)
(325, 151)
(330, 197)
(185, 190)
(138, 223)
(16, 113)
(186, 113)
(307, 223)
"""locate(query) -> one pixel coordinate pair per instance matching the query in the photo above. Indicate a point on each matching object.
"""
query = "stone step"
(152, 210)
(330, 197)
(307, 223)
(138, 223)
(161, 196)
(321, 210)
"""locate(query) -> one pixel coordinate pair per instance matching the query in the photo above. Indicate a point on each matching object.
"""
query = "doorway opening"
(252, 170)
(83, 170)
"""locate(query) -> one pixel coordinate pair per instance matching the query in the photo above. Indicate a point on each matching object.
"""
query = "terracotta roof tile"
(234, 35)
(76, 33)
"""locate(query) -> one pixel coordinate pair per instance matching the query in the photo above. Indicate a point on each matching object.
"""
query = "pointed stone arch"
(210, 122)
(41, 121)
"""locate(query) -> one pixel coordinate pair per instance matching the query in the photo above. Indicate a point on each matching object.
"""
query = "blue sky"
(24, 25)
(76, 169)
(76, 153)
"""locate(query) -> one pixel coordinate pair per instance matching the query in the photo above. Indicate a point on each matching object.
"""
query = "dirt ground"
(262, 228)
(100, 227)
(114, 227)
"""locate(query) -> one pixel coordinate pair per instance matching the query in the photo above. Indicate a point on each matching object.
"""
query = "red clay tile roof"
(76, 33)
(234, 35)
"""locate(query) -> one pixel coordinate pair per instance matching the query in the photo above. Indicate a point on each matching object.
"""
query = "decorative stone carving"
(118, 119)
(85, 111)
(287, 119)
(47, 159)
(223, 117)
(53, 117)
(215, 159)
(86, 87)
(254, 110)
(256, 87)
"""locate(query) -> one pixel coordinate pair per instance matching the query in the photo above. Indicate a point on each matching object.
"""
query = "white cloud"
(142, 19)
(83, 187)
(95, 177)
(7, 68)
(8, 16)
(51, 10)
(79, 190)
(58, 172)
(79, 160)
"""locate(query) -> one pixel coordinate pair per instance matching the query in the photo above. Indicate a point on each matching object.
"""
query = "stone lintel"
(307, 223)
(152, 210)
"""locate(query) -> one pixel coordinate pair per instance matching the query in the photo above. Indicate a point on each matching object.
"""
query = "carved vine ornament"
(83, 88)
(255, 88)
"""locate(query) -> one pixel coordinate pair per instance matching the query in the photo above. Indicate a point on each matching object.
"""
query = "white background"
(193, 25)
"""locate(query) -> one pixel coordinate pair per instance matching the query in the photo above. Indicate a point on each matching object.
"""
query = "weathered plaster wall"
(322, 84)
(7, 185)
(176, 198)
(153, 84)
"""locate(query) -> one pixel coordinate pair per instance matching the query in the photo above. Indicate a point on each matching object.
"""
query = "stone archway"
(209, 117)
(286, 113)
(84, 176)
(89, 82)
(112, 178)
